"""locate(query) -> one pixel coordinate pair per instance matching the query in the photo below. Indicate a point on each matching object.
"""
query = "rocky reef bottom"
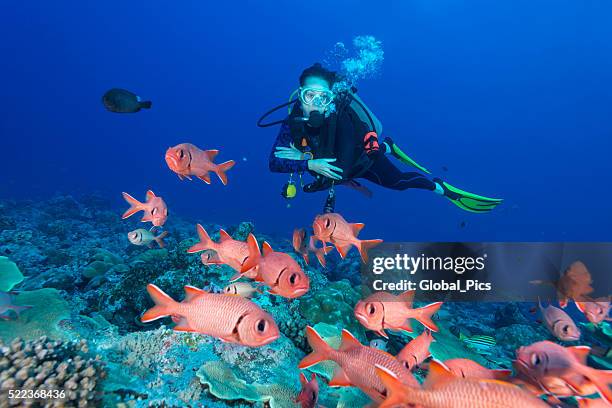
(69, 261)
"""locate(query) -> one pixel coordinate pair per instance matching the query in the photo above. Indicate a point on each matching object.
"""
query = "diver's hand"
(324, 168)
(291, 153)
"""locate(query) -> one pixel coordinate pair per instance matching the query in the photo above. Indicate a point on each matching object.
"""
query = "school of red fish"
(543, 372)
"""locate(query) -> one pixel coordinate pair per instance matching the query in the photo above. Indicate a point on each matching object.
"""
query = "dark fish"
(463, 224)
(122, 101)
(444, 168)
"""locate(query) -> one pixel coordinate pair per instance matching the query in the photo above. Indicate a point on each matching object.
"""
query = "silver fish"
(142, 236)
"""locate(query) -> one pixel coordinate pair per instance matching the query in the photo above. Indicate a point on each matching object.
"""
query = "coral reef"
(84, 280)
(43, 364)
(334, 305)
(509, 314)
(47, 311)
(293, 326)
(102, 262)
(224, 384)
(601, 335)
(151, 365)
(516, 335)
(123, 298)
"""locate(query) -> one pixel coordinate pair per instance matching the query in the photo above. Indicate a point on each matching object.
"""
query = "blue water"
(513, 97)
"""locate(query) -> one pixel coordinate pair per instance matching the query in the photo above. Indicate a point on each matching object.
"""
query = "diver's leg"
(386, 174)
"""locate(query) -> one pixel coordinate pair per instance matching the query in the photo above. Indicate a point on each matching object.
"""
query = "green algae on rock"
(10, 275)
(48, 309)
(223, 383)
(102, 262)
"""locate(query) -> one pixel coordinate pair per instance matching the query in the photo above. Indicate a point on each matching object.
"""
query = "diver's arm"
(278, 165)
(325, 168)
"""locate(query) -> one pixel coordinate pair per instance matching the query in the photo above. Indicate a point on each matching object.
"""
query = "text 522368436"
(39, 394)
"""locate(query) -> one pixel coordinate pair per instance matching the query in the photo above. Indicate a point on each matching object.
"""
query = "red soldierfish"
(383, 310)
(228, 250)
(444, 390)
(547, 359)
(595, 310)
(559, 323)
(210, 257)
(332, 228)
(155, 209)
(356, 364)
(233, 319)
(549, 385)
(305, 248)
(309, 395)
(278, 270)
(465, 368)
(417, 350)
(187, 160)
(574, 284)
(142, 236)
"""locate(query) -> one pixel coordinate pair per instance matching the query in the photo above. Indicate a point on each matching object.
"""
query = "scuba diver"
(334, 136)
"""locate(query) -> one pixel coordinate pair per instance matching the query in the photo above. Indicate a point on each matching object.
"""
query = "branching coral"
(44, 364)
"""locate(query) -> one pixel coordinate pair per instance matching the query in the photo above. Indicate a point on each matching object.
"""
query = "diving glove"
(468, 201)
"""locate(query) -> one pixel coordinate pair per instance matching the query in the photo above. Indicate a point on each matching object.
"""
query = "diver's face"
(317, 84)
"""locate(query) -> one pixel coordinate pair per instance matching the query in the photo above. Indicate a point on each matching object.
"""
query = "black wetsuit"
(386, 174)
(342, 137)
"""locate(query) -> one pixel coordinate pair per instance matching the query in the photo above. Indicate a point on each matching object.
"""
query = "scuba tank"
(375, 126)
(365, 114)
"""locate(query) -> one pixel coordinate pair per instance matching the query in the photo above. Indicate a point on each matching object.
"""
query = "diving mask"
(316, 97)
